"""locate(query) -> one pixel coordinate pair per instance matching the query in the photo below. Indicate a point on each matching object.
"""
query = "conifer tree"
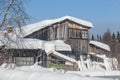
(118, 36)
(92, 37)
(107, 37)
(114, 45)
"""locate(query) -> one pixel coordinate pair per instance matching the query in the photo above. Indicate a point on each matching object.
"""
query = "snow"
(108, 63)
(40, 44)
(64, 56)
(100, 45)
(1, 43)
(88, 65)
(4, 65)
(25, 44)
(57, 45)
(12, 41)
(2, 38)
(28, 29)
(97, 73)
(36, 72)
(97, 55)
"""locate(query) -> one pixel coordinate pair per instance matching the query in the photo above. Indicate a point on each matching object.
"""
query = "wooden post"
(48, 60)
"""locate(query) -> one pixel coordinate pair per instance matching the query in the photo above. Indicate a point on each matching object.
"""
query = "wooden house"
(70, 30)
(98, 48)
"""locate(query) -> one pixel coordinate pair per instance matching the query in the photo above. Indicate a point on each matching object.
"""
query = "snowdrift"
(36, 72)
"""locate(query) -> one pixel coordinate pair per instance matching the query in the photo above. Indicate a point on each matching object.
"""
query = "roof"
(64, 56)
(12, 41)
(25, 44)
(57, 45)
(100, 45)
(28, 29)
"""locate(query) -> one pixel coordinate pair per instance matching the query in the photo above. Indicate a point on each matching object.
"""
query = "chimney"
(9, 29)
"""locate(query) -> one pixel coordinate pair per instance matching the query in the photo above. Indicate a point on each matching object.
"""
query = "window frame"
(84, 34)
(77, 33)
(24, 61)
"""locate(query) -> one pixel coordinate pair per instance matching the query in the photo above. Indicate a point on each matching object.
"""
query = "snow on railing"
(109, 63)
(64, 56)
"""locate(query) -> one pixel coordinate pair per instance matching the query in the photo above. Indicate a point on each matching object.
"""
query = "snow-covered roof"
(100, 45)
(28, 29)
(57, 45)
(12, 41)
(64, 56)
(25, 44)
(40, 44)
(3, 40)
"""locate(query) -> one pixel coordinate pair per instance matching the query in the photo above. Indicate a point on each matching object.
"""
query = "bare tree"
(12, 13)
(107, 37)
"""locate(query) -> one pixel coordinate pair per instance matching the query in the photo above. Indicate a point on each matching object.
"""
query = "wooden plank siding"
(53, 32)
(70, 32)
(98, 50)
(11, 54)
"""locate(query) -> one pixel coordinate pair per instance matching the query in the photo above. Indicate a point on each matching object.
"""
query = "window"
(76, 33)
(84, 34)
(70, 33)
(24, 61)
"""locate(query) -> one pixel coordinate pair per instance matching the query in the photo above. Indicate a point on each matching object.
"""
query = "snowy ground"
(36, 72)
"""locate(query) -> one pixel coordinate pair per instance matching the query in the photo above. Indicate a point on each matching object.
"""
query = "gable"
(75, 25)
(29, 29)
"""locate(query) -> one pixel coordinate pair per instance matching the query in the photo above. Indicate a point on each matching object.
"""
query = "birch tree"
(12, 13)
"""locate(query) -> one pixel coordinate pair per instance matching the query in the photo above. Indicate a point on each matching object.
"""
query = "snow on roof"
(3, 40)
(12, 40)
(100, 45)
(30, 43)
(64, 56)
(28, 29)
(25, 44)
(58, 45)
(1, 43)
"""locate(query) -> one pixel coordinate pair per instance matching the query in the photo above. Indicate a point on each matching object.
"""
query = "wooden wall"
(1, 56)
(70, 32)
(98, 50)
(21, 53)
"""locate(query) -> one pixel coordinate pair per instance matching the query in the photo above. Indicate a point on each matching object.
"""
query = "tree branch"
(6, 13)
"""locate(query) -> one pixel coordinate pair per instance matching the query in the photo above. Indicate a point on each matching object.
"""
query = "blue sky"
(104, 14)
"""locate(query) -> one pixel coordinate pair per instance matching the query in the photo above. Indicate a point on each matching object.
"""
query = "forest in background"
(111, 39)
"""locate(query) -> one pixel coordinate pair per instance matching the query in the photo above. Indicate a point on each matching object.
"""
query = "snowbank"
(38, 73)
